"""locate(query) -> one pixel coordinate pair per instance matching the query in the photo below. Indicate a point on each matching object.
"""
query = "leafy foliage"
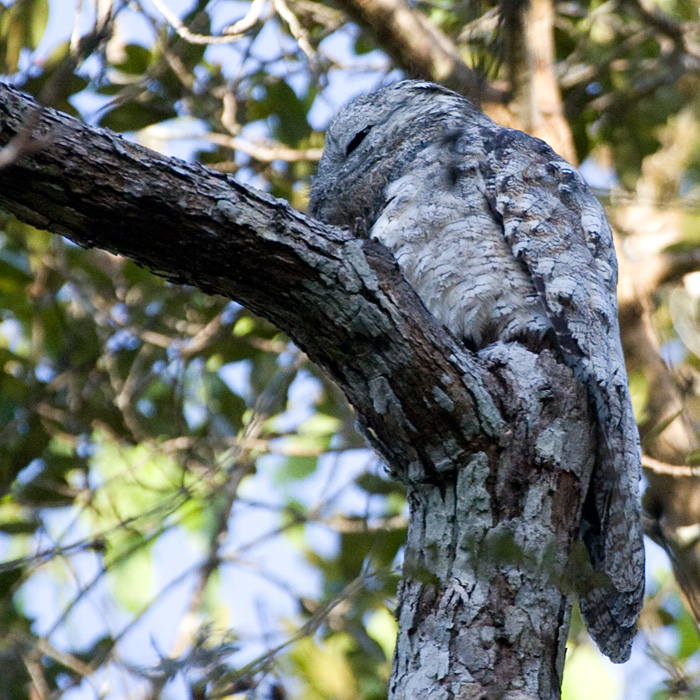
(186, 509)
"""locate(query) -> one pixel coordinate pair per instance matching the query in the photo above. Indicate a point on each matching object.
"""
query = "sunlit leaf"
(587, 677)
(22, 25)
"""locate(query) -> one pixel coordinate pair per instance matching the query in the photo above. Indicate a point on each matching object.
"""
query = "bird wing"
(558, 230)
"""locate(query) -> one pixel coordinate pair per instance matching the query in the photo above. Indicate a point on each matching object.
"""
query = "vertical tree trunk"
(492, 547)
(536, 98)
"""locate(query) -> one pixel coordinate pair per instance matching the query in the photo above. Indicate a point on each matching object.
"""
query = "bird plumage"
(503, 241)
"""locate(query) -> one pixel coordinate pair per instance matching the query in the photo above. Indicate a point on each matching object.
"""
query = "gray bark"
(496, 448)
(489, 551)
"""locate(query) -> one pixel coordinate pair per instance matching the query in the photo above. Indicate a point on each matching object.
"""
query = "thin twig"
(318, 617)
(677, 470)
(266, 153)
(295, 28)
(231, 35)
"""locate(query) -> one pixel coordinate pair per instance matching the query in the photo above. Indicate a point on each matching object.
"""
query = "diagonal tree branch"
(496, 449)
(338, 297)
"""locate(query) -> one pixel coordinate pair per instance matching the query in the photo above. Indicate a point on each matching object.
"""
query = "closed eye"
(357, 139)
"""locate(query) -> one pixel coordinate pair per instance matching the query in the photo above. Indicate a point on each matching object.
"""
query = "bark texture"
(496, 476)
(489, 551)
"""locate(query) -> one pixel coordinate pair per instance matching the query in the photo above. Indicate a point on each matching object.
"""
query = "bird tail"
(610, 600)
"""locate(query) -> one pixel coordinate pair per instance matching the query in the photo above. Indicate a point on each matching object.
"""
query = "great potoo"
(503, 242)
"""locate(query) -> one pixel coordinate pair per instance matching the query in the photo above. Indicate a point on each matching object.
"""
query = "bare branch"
(683, 35)
(232, 33)
(297, 31)
(265, 152)
(537, 100)
(204, 229)
(675, 470)
(247, 22)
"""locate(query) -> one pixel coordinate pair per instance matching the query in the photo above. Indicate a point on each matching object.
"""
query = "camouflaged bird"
(503, 241)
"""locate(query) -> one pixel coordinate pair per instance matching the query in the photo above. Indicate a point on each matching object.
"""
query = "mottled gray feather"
(503, 241)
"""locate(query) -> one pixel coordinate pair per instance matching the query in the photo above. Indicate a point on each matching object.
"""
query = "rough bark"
(495, 476)
(481, 610)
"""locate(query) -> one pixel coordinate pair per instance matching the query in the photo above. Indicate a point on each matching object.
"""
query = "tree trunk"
(496, 448)
(489, 553)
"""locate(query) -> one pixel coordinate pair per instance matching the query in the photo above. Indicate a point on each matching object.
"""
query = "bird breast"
(451, 248)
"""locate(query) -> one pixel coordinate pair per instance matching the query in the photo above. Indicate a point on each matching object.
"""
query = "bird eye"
(357, 139)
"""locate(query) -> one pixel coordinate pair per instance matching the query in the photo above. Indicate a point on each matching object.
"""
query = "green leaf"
(22, 25)
(688, 635)
(297, 468)
(131, 580)
(19, 527)
(383, 628)
(132, 116)
(377, 485)
(325, 669)
(363, 45)
(136, 61)
(319, 425)
(289, 124)
(62, 87)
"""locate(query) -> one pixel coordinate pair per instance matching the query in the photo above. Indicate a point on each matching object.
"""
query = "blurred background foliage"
(186, 510)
